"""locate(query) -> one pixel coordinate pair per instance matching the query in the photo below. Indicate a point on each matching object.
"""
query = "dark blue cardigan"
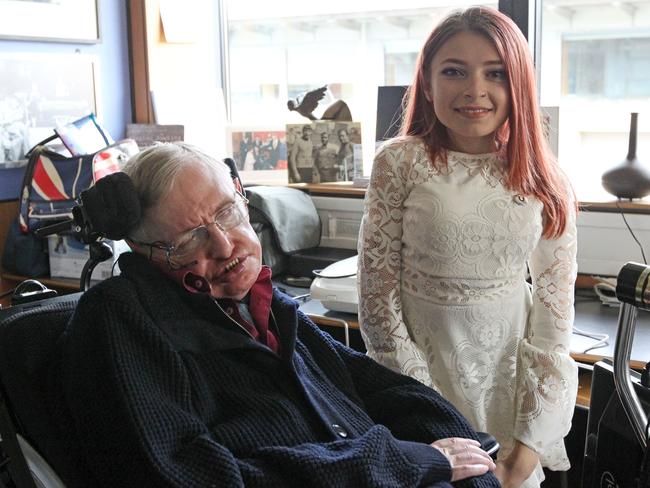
(164, 389)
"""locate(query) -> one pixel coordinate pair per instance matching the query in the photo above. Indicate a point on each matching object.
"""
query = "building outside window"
(595, 66)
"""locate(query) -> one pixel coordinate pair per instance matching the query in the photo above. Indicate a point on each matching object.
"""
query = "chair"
(617, 451)
(289, 229)
(33, 446)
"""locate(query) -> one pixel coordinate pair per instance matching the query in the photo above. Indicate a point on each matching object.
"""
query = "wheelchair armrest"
(489, 444)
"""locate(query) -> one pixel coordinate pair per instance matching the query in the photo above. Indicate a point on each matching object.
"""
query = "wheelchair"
(34, 452)
(31, 442)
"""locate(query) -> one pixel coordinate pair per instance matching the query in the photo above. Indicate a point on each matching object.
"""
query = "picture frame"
(50, 20)
(39, 93)
(324, 151)
(260, 154)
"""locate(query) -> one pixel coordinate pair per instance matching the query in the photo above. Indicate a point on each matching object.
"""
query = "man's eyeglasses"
(187, 247)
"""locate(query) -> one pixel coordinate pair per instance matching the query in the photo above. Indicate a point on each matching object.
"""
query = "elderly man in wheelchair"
(190, 369)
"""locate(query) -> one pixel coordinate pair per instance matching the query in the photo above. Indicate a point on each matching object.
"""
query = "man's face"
(230, 260)
(306, 133)
(324, 138)
(343, 137)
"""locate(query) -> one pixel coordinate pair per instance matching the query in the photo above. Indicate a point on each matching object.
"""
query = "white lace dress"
(443, 259)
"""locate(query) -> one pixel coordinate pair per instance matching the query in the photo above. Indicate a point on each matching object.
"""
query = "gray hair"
(153, 172)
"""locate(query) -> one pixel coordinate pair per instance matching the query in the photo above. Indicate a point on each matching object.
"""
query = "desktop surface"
(590, 316)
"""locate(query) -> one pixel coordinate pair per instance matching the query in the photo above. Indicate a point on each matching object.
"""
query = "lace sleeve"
(547, 380)
(380, 307)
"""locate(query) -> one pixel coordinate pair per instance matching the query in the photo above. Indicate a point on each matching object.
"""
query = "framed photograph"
(324, 151)
(51, 20)
(148, 134)
(260, 155)
(39, 93)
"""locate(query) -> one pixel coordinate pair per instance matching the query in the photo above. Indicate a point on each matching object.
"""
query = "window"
(595, 66)
(279, 49)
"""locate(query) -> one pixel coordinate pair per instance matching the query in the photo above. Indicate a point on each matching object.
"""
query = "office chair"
(616, 447)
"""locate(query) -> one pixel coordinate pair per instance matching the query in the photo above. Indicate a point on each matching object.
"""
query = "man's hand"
(517, 467)
(465, 456)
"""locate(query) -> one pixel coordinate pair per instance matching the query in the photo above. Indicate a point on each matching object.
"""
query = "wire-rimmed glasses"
(184, 251)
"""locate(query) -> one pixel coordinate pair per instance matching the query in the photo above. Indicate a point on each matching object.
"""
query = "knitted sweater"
(164, 389)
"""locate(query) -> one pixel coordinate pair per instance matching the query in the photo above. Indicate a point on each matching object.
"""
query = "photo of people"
(323, 151)
(259, 150)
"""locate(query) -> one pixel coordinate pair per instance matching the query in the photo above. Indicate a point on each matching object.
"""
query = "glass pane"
(281, 49)
(595, 66)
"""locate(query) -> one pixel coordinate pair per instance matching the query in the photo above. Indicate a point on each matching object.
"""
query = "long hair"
(532, 168)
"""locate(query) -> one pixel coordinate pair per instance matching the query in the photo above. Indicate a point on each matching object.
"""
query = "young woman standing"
(460, 209)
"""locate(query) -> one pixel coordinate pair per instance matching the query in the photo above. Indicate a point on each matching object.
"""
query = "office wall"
(114, 95)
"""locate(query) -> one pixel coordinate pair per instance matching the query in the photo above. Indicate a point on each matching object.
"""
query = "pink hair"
(532, 168)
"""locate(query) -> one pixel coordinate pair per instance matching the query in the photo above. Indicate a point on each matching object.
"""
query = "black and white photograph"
(39, 93)
(324, 151)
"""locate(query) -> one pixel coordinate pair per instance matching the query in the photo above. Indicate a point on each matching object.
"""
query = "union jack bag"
(53, 182)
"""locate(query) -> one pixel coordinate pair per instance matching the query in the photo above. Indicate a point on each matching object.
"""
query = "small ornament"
(630, 179)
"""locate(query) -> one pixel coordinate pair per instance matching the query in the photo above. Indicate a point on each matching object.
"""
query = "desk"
(590, 317)
(593, 317)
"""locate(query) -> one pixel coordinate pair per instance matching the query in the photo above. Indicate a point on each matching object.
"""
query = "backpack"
(53, 181)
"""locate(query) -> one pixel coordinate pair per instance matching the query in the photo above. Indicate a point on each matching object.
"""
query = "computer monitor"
(389, 111)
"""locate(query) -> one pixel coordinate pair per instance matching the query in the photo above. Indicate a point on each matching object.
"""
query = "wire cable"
(645, 261)
(602, 339)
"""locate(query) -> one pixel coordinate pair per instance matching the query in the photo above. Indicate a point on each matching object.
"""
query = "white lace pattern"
(443, 260)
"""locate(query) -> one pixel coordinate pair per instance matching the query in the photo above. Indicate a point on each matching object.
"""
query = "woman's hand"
(517, 467)
(465, 456)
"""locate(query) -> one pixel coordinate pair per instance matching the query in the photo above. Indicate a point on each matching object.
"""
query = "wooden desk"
(333, 189)
(590, 317)
(602, 203)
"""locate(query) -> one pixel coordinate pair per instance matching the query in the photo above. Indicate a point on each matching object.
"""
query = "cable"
(603, 339)
(645, 261)
(318, 273)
